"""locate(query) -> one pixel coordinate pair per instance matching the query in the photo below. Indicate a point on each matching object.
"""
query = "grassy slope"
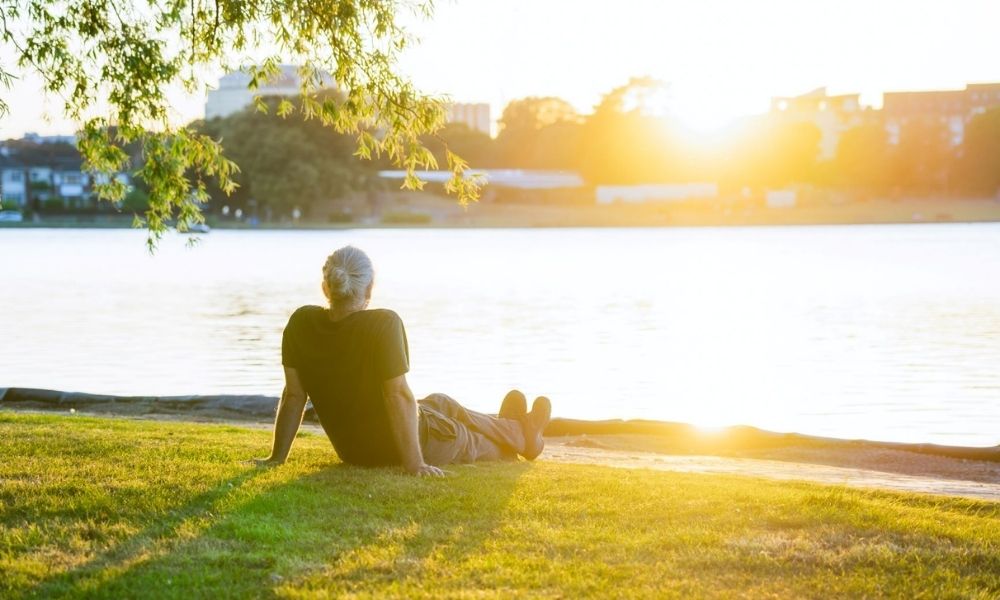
(115, 508)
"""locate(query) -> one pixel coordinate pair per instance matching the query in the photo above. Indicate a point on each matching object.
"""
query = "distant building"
(780, 198)
(512, 178)
(655, 192)
(63, 179)
(833, 115)
(33, 172)
(954, 108)
(513, 186)
(49, 139)
(475, 116)
(232, 95)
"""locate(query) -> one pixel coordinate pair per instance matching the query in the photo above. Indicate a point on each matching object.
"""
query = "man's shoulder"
(304, 313)
(383, 314)
(379, 319)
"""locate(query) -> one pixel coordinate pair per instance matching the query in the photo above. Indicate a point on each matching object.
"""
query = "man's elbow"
(400, 400)
(294, 399)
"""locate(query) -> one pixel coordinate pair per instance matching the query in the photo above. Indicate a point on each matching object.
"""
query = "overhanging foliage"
(113, 62)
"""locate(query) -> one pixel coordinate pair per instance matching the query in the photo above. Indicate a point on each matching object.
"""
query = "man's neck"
(337, 313)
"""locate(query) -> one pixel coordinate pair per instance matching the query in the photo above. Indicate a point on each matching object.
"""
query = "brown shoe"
(534, 424)
(514, 406)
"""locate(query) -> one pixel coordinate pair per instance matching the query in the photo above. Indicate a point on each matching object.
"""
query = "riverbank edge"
(655, 436)
(434, 212)
(583, 224)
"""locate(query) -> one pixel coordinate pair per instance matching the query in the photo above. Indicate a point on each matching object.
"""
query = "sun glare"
(710, 430)
(699, 114)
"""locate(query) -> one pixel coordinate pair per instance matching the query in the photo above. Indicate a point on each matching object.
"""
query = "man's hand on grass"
(427, 471)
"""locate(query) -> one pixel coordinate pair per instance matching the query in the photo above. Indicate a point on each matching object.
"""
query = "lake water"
(885, 332)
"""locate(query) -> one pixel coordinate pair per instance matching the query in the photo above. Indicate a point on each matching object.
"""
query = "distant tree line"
(288, 162)
(625, 141)
(285, 162)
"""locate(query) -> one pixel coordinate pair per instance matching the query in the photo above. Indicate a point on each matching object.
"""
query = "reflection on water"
(889, 332)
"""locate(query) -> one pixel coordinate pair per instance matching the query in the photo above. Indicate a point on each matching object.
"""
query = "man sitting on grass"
(352, 363)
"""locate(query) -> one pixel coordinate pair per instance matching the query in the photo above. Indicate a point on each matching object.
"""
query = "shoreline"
(428, 211)
(582, 224)
(972, 472)
(515, 225)
(666, 437)
(896, 471)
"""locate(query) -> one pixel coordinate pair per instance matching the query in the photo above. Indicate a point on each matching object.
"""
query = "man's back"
(342, 365)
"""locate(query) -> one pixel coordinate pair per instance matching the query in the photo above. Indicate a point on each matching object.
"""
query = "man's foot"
(534, 424)
(514, 406)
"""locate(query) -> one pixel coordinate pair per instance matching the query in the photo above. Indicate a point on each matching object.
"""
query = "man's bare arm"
(289, 418)
(402, 410)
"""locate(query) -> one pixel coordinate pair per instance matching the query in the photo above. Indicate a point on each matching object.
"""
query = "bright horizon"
(722, 58)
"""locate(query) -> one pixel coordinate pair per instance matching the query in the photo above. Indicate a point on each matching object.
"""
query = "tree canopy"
(625, 140)
(864, 158)
(923, 155)
(113, 62)
(981, 153)
(539, 133)
(287, 162)
(474, 146)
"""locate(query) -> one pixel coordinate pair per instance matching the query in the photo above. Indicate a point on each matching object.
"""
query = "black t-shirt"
(342, 365)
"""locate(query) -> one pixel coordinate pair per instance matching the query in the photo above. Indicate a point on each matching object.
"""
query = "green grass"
(137, 509)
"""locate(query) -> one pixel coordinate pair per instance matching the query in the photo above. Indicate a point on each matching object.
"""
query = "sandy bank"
(926, 468)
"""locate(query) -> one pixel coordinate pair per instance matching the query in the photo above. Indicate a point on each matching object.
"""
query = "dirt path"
(983, 486)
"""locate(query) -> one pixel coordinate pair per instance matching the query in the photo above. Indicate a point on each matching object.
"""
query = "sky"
(721, 58)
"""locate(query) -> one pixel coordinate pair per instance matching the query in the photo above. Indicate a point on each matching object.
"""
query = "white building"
(31, 136)
(233, 95)
(475, 115)
(26, 181)
(12, 182)
(64, 179)
(832, 115)
(655, 192)
(513, 178)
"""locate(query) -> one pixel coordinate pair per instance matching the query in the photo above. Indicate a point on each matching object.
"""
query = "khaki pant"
(450, 433)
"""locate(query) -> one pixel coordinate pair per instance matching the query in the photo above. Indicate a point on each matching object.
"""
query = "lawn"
(118, 508)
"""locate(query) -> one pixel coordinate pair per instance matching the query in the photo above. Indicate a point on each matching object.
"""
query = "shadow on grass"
(145, 541)
(338, 527)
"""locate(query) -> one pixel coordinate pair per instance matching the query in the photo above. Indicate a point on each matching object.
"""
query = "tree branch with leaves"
(113, 62)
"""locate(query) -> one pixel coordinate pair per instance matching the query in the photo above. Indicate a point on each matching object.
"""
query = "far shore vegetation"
(113, 508)
(296, 171)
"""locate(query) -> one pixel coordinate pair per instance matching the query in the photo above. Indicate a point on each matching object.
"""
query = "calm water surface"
(888, 332)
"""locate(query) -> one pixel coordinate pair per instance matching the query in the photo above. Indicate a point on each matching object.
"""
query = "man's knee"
(436, 400)
(442, 403)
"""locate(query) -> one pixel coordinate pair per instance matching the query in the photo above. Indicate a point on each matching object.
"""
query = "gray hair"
(348, 272)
